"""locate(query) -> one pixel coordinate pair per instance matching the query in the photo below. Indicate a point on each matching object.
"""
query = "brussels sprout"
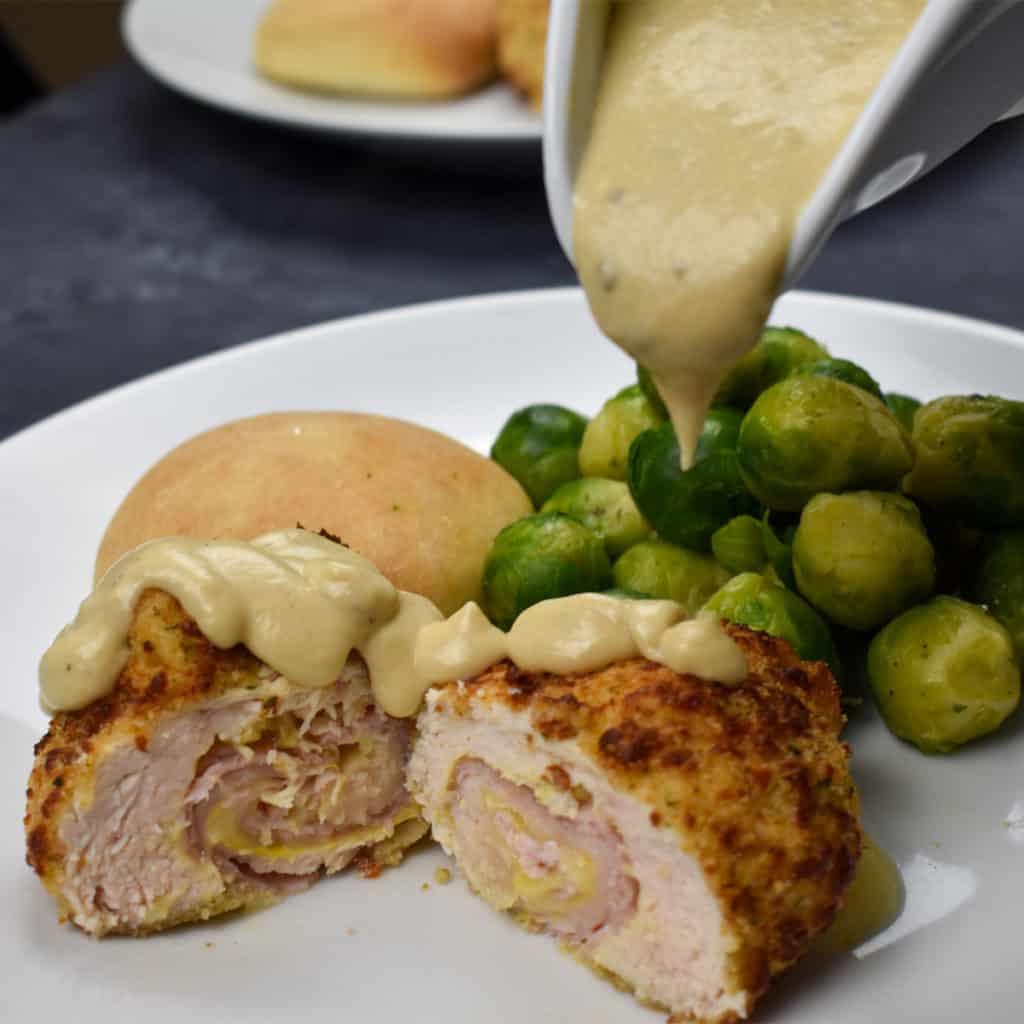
(720, 433)
(739, 545)
(811, 434)
(779, 552)
(650, 389)
(958, 550)
(664, 571)
(999, 584)
(862, 557)
(841, 369)
(903, 407)
(539, 446)
(943, 673)
(625, 594)
(777, 354)
(539, 557)
(605, 448)
(604, 506)
(970, 459)
(751, 600)
(685, 507)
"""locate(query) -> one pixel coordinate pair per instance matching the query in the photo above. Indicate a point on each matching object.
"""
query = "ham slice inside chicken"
(280, 804)
(236, 803)
(570, 875)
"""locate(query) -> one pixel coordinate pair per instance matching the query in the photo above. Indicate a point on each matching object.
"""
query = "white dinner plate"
(388, 951)
(205, 51)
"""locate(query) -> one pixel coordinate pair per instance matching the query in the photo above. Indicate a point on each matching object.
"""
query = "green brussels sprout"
(779, 552)
(625, 594)
(538, 557)
(650, 389)
(999, 584)
(685, 507)
(970, 459)
(958, 550)
(751, 600)
(841, 369)
(943, 673)
(665, 571)
(605, 448)
(810, 434)
(539, 446)
(720, 433)
(903, 407)
(777, 354)
(604, 506)
(862, 557)
(739, 545)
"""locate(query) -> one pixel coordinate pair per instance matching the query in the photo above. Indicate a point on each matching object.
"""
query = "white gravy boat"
(960, 69)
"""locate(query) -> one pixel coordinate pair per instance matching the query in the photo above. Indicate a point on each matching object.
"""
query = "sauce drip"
(302, 604)
(714, 123)
(873, 902)
(298, 601)
(581, 633)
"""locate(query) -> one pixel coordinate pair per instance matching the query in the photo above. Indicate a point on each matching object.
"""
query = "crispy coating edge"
(753, 778)
(171, 668)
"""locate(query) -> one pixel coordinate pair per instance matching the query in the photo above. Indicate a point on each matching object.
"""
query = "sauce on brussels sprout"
(714, 124)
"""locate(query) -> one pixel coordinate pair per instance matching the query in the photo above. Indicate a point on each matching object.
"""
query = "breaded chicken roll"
(239, 752)
(683, 836)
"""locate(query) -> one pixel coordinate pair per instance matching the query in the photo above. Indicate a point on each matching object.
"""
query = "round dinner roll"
(422, 507)
(416, 49)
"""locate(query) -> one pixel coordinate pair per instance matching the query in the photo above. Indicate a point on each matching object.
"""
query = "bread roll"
(522, 35)
(397, 48)
(422, 507)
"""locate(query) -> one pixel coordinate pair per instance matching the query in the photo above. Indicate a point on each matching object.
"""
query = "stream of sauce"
(714, 124)
(302, 603)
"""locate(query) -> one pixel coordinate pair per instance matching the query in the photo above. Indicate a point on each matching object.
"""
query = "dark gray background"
(139, 229)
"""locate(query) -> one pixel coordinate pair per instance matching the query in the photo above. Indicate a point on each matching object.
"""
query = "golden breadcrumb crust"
(522, 34)
(171, 668)
(752, 777)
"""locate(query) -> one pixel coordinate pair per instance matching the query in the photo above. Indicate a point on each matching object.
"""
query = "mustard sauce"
(302, 603)
(715, 122)
(873, 902)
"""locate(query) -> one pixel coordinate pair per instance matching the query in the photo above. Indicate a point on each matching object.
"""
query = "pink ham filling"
(492, 845)
(334, 787)
(343, 771)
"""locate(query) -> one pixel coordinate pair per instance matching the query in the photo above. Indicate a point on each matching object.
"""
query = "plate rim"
(933, 318)
(135, 42)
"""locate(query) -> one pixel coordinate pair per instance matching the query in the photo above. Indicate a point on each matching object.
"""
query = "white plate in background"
(204, 49)
(387, 951)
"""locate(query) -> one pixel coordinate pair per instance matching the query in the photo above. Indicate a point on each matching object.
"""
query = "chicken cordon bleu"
(683, 836)
(219, 739)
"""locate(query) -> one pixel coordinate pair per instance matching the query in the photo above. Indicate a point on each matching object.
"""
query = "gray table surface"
(139, 229)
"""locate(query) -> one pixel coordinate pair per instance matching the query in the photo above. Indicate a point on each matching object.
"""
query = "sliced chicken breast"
(684, 837)
(206, 782)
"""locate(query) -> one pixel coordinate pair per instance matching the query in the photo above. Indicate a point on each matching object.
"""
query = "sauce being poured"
(714, 123)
